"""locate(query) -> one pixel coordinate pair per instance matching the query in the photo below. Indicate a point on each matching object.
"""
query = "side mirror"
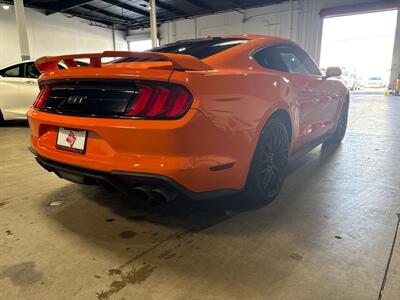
(333, 72)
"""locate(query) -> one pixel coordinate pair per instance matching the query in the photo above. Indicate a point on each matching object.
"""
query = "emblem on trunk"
(76, 99)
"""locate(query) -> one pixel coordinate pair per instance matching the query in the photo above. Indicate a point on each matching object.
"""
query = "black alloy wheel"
(269, 163)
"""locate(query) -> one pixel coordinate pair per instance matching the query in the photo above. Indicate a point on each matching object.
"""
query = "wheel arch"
(281, 111)
(284, 116)
(281, 115)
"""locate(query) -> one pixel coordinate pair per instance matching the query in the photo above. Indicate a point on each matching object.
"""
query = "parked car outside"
(201, 118)
(19, 88)
(350, 80)
(375, 82)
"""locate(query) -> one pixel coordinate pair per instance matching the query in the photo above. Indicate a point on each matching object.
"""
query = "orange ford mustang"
(201, 118)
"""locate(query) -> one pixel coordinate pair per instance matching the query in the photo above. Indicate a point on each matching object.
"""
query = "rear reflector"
(160, 102)
(42, 96)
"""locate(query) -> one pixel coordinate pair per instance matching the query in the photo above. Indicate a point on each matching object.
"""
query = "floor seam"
(389, 259)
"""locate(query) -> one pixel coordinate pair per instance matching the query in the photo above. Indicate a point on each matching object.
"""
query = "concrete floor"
(328, 236)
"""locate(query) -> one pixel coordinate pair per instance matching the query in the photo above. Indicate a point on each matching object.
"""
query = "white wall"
(53, 35)
(268, 20)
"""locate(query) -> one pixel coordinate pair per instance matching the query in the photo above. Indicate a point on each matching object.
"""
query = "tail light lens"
(42, 96)
(160, 102)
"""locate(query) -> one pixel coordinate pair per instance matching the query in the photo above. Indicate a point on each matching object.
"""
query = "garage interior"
(332, 233)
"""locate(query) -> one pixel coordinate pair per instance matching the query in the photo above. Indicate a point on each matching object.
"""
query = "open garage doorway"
(362, 45)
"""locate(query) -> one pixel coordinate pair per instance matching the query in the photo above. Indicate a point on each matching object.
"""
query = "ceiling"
(132, 14)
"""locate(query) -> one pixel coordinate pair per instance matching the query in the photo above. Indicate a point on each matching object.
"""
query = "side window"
(31, 71)
(310, 65)
(14, 71)
(269, 58)
(292, 59)
(287, 58)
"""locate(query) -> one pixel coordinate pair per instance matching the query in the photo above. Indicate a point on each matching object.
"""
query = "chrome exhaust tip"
(142, 193)
(164, 194)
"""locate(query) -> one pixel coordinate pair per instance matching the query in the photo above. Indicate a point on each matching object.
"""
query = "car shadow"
(181, 214)
(323, 154)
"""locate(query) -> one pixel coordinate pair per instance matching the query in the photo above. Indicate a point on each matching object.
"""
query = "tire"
(267, 170)
(341, 126)
(1, 119)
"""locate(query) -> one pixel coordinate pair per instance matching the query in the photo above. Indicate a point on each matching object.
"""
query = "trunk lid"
(91, 97)
(106, 89)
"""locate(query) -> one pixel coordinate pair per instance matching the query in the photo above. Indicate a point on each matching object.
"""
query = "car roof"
(256, 37)
(259, 40)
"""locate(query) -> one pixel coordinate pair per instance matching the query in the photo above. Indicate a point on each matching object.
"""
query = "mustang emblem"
(76, 99)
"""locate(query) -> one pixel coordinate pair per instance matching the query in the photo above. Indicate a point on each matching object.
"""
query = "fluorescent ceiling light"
(6, 7)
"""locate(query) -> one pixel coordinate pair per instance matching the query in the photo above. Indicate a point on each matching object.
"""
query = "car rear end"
(129, 128)
(375, 82)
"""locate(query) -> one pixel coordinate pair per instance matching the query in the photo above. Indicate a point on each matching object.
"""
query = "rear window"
(199, 48)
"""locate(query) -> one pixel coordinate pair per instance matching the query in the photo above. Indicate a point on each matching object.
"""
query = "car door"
(17, 90)
(311, 94)
(30, 88)
(324, 91)
(10, 96)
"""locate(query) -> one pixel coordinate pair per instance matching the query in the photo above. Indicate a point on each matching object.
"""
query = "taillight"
(160, 102)
(42, 96)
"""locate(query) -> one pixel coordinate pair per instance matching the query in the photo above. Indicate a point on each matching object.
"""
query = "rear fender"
(278, 106)
(238, 104)
(234, 100)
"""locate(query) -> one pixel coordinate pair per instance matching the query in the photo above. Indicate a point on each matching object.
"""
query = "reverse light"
(42, 96)
(160, 102)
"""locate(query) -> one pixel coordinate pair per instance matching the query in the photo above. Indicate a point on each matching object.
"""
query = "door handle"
(30, 81)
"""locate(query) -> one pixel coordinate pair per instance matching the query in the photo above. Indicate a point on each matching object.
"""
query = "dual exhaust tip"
(154, 195)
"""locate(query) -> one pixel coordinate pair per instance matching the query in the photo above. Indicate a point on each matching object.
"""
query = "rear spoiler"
(179, 61)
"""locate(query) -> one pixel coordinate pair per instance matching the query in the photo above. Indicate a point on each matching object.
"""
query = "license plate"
(73, 140)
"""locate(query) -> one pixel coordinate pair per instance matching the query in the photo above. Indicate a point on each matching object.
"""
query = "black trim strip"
(310, 146)
(134, 177)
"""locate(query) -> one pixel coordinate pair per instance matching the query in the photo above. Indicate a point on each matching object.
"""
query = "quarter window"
(269, 58)
(14, 71)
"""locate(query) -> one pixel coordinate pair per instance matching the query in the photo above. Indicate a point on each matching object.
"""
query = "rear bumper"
(123, 181)
(190, 151)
